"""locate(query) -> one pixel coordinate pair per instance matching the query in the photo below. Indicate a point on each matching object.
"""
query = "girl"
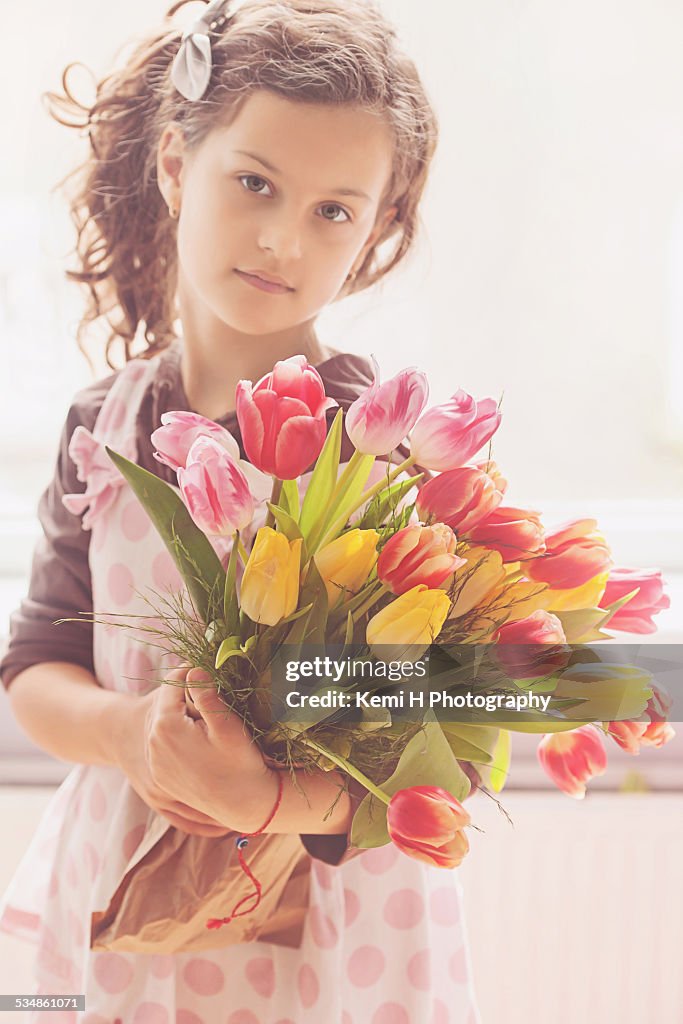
(243, 175)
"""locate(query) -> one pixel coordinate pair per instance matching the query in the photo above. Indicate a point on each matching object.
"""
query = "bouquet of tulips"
(375, 557)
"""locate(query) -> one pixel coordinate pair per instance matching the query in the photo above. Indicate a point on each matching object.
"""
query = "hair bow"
(191, 68)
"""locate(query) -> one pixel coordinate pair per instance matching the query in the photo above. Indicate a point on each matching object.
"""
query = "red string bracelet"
(241, 842)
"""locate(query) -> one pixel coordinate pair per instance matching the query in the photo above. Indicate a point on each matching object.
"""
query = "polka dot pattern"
(419, 970)
(404, 908)
(308, 985)
(120, 584)
(243, 1017)
(203, 977)
(135, 523)
(112, 972)
(150, 1013)
(260, 973)
(390, 1013)
(365, 966)
(188, 1017)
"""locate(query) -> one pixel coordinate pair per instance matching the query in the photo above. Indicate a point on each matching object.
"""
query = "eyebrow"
(333, 191)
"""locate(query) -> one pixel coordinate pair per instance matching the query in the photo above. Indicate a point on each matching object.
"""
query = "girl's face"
(288, 190)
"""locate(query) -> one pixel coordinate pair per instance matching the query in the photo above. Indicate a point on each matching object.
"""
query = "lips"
(268, 278)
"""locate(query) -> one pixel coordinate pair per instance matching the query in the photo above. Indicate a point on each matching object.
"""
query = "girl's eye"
(247, 178)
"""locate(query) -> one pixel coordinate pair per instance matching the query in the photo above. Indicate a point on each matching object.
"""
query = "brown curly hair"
(318, 51)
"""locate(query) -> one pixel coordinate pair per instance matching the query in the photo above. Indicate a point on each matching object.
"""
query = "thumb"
(203, 693)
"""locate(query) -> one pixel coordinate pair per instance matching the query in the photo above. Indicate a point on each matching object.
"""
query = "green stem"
(244, 554)
(338, 526)
(274, 500)
(372, 599)
(348, 768)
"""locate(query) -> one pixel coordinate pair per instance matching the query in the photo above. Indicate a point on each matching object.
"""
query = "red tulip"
(516, 534)
(282, 418)
(450, 434)
(574, 553)
(386, 413)
(636, 615)
(427, 823)
(418, 554)
(570, 759)
(460, 498)
(532, 647)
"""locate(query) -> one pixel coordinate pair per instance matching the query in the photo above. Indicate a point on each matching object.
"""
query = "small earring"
(351, 276)
(173, 212)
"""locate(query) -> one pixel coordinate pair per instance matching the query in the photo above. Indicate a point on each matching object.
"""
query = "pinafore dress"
(384, 940)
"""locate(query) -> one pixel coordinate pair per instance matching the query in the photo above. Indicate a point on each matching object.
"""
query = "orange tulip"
(427, 822)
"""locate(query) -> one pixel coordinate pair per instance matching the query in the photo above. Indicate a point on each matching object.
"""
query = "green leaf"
(289, 498)
(287, 526)
(340, 508)
(500, 766)
(427, 760)
(471, 742)
(192, 553)
(231, 608)
(230, 648)
(314, 592)
(584, 625)
(323, 479)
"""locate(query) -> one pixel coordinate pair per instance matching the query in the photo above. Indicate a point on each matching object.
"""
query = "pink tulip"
(517, 534)
(179, 431)
(574, 553)
(636, 614)
(427, 822)
(461, 498)
(532, 647)
(450, 434)
(385, 413)
(570, 759)
(283, 418)
(215, 489)
(418, 554)
(174, 439)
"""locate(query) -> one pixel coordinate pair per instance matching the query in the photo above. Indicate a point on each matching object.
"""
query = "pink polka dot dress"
(384, 939)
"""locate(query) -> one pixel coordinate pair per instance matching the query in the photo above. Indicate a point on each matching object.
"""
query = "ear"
(170, 156)
(382, 223)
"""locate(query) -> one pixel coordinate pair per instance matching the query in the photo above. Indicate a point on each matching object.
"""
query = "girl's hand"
(131, 753)
(210, 762)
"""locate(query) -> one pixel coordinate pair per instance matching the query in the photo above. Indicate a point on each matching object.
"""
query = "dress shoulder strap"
(114, 427)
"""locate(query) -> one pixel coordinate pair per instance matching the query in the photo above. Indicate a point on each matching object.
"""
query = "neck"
(215, 356)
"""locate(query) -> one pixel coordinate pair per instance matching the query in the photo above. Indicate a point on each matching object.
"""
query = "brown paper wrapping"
(167, 894)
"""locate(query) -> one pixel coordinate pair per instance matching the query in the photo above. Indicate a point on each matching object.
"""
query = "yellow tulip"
(346, 562)
(588, 595)
(270, 585)
(413, 620)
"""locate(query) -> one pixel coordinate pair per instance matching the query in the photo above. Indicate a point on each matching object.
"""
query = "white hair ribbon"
(191, 68)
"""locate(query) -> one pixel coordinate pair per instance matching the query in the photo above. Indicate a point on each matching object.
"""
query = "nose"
(280, 234)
